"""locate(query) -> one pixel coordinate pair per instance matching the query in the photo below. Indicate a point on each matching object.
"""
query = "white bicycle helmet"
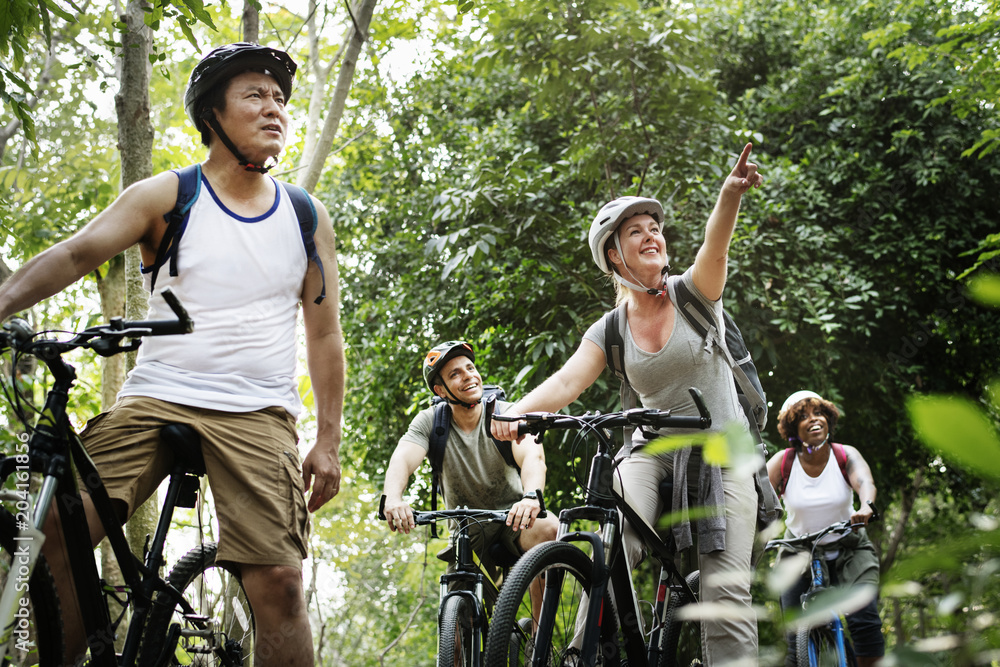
(798, 396)
(613, 214)
(608, 219)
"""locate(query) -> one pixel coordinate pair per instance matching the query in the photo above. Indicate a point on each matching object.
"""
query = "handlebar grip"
(688, 422)
(20, 331)
(182, 325)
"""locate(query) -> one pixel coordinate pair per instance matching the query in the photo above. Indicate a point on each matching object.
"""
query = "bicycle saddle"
(185, 442)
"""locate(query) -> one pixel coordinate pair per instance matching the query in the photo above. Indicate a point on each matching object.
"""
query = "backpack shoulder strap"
(305, 211)
(704, 322)
(841, 455)
(786, 469)
(614, 354)
(614, 341)
(188, 189)
(435, 452)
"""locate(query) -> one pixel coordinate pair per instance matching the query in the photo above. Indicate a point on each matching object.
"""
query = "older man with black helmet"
(239, 264)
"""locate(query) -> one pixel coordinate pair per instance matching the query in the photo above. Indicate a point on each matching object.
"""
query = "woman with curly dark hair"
(817, 479)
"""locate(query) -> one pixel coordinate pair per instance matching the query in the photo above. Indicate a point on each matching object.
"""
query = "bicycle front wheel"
(37, 638)
(221, 630)
(567, 574)
(682, 639)
(817, 647)
(455, 632)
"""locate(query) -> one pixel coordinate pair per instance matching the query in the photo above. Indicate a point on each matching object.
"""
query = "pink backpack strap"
(786, 469)
(841, 454)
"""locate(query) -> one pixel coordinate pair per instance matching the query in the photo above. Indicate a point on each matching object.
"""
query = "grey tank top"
(661, 378)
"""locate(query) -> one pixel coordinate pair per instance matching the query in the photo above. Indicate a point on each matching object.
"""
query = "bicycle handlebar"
(845, 528)
(105, 339)
(426, 518)
(535, 423)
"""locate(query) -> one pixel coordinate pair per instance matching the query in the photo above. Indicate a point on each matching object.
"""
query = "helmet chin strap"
(810, 450)
(208, 116)
(660, 291)
(454, 401)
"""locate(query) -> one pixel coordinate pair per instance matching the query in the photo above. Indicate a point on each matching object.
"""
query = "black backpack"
(187, 192)
(748, 388)
(439, 439)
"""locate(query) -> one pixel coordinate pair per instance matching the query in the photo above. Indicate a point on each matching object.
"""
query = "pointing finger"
(741, 164)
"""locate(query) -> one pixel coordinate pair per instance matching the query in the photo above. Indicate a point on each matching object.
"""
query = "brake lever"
(183, 319)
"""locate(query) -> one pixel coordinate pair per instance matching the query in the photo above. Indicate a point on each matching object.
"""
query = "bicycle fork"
(836, 627)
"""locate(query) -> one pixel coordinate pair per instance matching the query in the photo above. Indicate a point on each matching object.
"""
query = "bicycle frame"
(604, 499)
(603, 506)
(817, 579)
(835, 624)
(52, 450)
(468, 567)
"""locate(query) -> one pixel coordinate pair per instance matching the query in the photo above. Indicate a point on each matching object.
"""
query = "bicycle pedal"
(198, 626)
(197, 618)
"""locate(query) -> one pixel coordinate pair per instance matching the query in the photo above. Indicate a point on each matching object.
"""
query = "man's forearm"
(533, 475)
(45, 274)
(328, 375)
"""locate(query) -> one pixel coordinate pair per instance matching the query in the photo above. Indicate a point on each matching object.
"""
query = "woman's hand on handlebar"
(863, 516)
(399, 516)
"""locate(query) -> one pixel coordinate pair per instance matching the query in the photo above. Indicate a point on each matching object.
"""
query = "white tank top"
(813, 503)
(240, 280)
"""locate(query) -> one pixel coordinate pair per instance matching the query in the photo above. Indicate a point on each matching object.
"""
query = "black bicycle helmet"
(222, 64)
(441, 354)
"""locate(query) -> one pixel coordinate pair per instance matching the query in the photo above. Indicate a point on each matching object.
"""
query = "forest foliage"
(462, 185)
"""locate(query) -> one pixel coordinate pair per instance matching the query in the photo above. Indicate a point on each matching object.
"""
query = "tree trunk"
(135, 144)
(357, 34)
(135, 141)
(251, 22)
(321, 74)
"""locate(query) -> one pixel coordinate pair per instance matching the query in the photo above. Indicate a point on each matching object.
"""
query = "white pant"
(729, 637)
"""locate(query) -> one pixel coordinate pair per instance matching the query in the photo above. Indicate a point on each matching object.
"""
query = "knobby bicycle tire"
(510, 641)
(42, 645)
(824, 645)
(455, 632)
(682, 639)
(214, 590)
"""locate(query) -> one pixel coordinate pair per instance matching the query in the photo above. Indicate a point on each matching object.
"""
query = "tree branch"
(906, 507)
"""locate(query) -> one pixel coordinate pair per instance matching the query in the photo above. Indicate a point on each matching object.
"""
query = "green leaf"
(950, 555)
(959, 429)
(986, 289)
(833, 601)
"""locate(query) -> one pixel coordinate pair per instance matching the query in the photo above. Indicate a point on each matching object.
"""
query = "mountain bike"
(465, 608)
(199, 613)
(589, 595)
(826, 643)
